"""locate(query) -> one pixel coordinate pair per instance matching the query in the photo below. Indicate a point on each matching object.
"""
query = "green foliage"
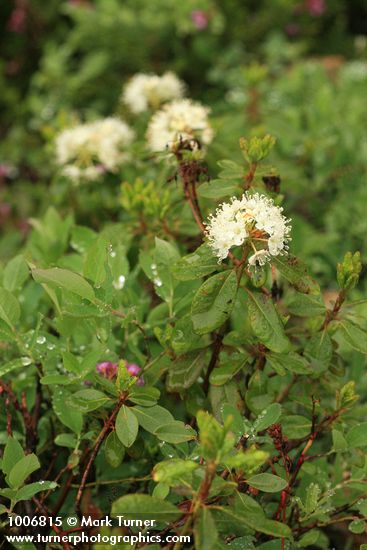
(139, 375)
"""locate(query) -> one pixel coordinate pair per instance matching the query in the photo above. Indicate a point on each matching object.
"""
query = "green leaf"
(65, 279)
(248, 461)
(6, 333)
(267, 526)
(312, 497)
(16, 364)
(309, 538)
(227, 370)
(237, 423)
(126, 426)
(175, 432)
(161, 491)
(185, 370)
(290, 361)
(357, 526)
(184, 339)
(211, 435)
(114, 450)
(354, 335)
(231, 169)
(28, 491)
(357, 436)
(147, 397)
(296, 426)
(139, 506)
(150, 418)
(267, 417)
(56, 379)
(71, 363)
(89, 400)
(216, 189)
(244, 504)
(15, 273)
(213, 302)
(205, 530)
(362, 507)
(196, 265)
(165, 252)
(339, 442)
(305, 305)
(173, 471)
(268, 483)
(23, 469)
(266, 324)
(13, 452)
(95, 262)
(89, 361)
(82, 238)
(295, 272)
(165, 256)
(66, 440)
(68, 415)
(9, 308)
(320, 347)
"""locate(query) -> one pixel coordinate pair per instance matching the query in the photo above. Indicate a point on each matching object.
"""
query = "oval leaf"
(268, 483)
(266, 324)
(126, 426)
(65, 279)
(213, 302)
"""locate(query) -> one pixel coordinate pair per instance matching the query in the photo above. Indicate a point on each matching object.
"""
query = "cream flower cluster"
(184, 119)
(253, 218)
(149, 91)
(87, 150)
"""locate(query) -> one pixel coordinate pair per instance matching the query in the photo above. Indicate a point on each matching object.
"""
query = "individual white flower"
(179, 120)
(149, 91)
(261, 257)
(253, 219)
(88, 150)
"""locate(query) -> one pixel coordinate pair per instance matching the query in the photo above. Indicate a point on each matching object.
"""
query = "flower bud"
(107, 369)
(349, 270)
(257, 149)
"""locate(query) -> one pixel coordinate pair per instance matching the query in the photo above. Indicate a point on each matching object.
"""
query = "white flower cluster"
(88, 150)
(185, 119)
(149, 91)
(253, 218)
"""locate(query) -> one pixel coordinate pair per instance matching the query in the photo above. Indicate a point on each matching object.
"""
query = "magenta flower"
(292, 29)
(134, 370)
(5, 210)
(200, 19)
(6, 170)
(316, 8)
(107, 369)
(17, 21)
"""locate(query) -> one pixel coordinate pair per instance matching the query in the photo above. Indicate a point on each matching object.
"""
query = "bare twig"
(97, 446)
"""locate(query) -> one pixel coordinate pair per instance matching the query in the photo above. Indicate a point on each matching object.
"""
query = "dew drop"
(51, 346)
(26, 361)
(119, 284)
(41, 340)
(157, 282)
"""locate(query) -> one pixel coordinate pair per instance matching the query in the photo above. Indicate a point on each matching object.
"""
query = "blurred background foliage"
(294, 68)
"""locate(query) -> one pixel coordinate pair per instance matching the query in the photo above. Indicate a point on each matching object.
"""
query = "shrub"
(217, 398)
